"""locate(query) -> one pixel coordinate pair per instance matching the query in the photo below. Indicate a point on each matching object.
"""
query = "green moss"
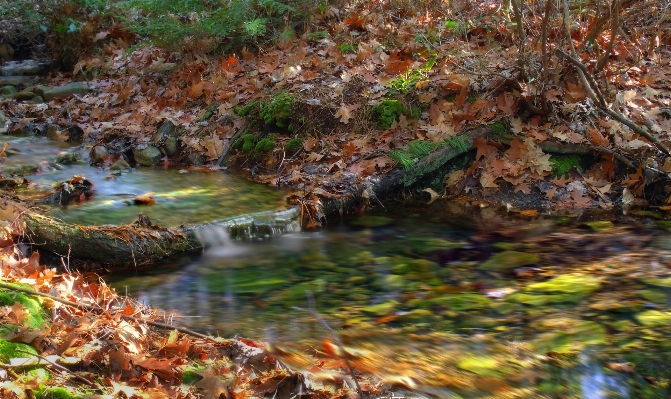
(9, 350)
(190, 376)
(244, 110)
(562, 165)
(245, 143)
(294, 145)
(32, 305)
(499, 129)
(278, 110)
(387, 111)
(317, 36)
(56, 393)
(264, 146)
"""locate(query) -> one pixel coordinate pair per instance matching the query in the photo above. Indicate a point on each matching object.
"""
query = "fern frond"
(403, 158)
(420, 148)
(457, 142)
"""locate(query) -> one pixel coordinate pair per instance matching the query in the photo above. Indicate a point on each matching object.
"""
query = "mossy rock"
(56, 393)
(562, 165)
(653, 318)
(572, 287)
(600, 225)
(9, 350)
(32, 305)
(390, 282)
(656, 296)
(425, 245)
(462, 302)
(484, 366)
(658, 282)
(242, 281)
(509, 260)
(576, 337)
(381, 309)
(503, 246)
(417, 316)
(298, 292)
(415, 266)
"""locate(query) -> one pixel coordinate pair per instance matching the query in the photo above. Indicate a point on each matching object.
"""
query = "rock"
(390, 282)
(6, 51)
(17, 80)
(484, 366)
(658, 282)
(425, 245)
(36, 100)
(600, 225)
(653, 318)
(509, 260)
(571, 287)
(3, 119)
(79, 88)
(195, 159)
(503, 246)
(67, 158)
(417, 316)
(22, 68)
(170, 146)
(147, 155)
(461, 302)
(99, 154)
(479, 322)
(381, 309)
(23, 95)
(164, 131)
(656, 296)
(120, 164)
(8, 90)
(416, 266)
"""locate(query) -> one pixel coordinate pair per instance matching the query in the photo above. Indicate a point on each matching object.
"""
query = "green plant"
(264, 146)
(245, 143)
(226, 24)
(317, 36)
(413, 151)
(499, 129)
(278, 110)
(409, 80)
(244, 110)
(56, 393)
(347, 47)
(562, 165)
(387, 111)
(458, 142)
(294, 145)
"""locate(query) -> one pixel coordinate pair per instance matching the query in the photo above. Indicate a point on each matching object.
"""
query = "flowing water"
(441, 300)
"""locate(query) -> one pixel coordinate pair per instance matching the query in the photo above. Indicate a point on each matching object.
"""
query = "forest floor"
(360, 93)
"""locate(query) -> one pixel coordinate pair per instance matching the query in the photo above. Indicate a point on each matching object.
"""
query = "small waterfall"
(213, 235)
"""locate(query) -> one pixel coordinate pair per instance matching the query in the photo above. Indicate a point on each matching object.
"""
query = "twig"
(337, 340)
(601, 103)
(61, 368)
(232, 140)
(93, 309)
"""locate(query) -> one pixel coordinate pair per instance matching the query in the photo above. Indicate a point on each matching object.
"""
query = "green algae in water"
(509, 260)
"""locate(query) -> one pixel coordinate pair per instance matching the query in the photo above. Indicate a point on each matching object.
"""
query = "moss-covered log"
(139, 243)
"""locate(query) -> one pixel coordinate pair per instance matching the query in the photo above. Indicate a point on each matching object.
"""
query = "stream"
(441, 300)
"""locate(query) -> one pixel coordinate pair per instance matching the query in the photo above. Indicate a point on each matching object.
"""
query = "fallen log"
(140, 243)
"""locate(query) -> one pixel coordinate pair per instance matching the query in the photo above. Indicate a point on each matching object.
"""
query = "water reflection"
(472, 303)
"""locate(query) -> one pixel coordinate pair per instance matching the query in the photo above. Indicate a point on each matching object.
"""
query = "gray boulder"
(79, 88)
(8, 90)
(147, 155)
(18, 80)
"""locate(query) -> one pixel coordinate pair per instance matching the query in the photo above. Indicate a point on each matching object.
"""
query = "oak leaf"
(212, 385)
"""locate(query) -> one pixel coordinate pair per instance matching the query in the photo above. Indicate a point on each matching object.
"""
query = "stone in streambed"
(8, 90)
(653, 318)
(120, 164)
(147, 155)
(99, 154)
(170, 146)
(417, 316)
(79, 88)
(23, 95)
(509, 260)
(572, 287)
(462, 302)
(381, 309)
